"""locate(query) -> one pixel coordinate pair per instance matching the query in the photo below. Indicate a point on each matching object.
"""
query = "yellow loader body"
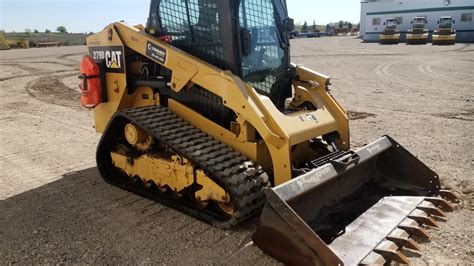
(213, 144)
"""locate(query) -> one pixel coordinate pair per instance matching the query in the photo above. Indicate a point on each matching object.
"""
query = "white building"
(375, 12)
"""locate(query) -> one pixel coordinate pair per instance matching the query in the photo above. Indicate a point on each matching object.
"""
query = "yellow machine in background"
(6, 44)
(3, 41)
(203, 111)
(391, 33)
(418, 33)
(445, 34)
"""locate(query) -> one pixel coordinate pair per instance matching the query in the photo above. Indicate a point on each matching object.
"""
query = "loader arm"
(279, 132)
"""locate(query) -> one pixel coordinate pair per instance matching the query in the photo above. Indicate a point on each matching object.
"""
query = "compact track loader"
(202, 110)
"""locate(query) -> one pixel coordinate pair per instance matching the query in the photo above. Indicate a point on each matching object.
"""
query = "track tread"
(243, 179)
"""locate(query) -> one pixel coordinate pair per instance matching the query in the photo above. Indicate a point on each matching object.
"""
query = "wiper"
(280, 23)
(280, 33)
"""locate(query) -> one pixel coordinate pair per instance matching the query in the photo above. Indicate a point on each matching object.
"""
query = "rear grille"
(444, 32)
(389, 32)
(418, 31)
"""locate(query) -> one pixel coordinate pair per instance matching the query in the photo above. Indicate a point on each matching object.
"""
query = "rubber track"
(243, 179)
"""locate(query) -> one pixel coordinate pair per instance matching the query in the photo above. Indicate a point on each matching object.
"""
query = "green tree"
(36, 31)
(62, 29)
(298, 26)
(341, 24)
(304, 28)
(47, 31)
(28, 32)
(349, 26)
(313, 27)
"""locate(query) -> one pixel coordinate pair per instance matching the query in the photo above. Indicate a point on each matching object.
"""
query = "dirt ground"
(54, 207)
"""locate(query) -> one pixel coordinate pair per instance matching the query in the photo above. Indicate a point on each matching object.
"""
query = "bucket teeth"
(432, 210)
(449, 195)
(394, 255)
(423, 219)
(441, 203)
(404, 242)
(415, 229)
(374, 259)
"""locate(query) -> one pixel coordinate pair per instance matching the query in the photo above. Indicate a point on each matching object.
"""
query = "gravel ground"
(54, 208)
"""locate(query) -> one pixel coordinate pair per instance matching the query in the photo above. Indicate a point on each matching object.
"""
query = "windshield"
(445, 23)
(419, 23)
(391, 24)
(194, 28)
(266, 65)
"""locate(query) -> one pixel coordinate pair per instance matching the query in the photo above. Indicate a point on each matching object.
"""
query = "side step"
(358, 207)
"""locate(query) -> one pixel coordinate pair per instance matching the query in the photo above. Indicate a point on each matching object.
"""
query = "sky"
(90, 15)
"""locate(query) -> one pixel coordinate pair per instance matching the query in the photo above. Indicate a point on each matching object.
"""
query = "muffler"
(358, 207)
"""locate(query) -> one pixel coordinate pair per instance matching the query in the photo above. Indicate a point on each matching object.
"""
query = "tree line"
(305, 28)
(60, 29)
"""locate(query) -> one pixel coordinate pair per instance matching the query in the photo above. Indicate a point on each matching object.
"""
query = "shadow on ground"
(81, 219)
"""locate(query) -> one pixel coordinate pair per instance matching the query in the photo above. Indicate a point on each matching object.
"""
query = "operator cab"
(248, 37)
(446, 22)
(419, 22)
(392, 23)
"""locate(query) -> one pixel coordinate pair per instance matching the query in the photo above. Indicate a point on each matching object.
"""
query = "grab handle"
(346, 159)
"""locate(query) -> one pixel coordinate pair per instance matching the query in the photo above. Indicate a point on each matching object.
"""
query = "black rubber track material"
(243, 179)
